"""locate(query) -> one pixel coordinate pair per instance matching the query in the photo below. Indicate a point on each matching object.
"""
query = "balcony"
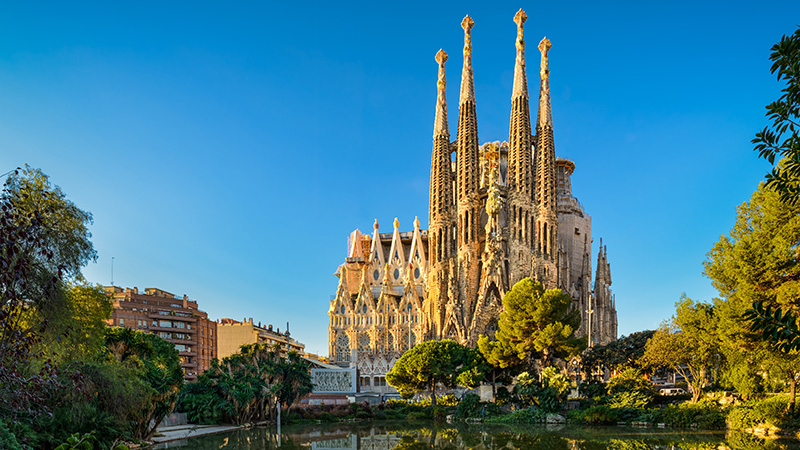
(156, 315)
(171, 329)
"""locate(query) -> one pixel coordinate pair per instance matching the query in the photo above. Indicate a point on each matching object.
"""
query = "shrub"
(440, 413)
(704, 414)
(7, 438)
(502, 396)
(447, 400)
(598, 415)
(592, 389)
(528, 415)
(630, 389)
(470, 406)
(769, 411)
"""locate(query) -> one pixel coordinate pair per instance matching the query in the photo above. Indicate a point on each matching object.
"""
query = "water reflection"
(478, 437)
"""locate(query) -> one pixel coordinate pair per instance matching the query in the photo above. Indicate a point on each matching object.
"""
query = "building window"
(122, 322)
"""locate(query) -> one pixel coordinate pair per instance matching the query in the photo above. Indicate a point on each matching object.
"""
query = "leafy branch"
(776, 326)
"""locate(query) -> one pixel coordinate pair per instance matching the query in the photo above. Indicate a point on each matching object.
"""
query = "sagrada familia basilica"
(499, 212)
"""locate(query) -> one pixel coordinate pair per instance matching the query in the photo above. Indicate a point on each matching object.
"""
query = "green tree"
(43, 242)
(630, 389)
(687, 344)
(758, 264)
(249, 386)
(499, 359)
(779, 141)
(617, 356)
(157, 362)
(536, 324)
(433, 363)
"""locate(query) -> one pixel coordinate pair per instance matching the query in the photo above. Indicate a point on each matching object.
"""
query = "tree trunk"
(494, 388)
(433, 393)
(792, 394)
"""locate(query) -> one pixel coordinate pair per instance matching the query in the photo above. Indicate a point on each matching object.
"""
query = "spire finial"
(440, 124)
(416, 222)
(441, 58)
(520, 79)
(467, 83)
(544, 47)
(467, 25)
(396, 223)
(519, 18)
(376, 224)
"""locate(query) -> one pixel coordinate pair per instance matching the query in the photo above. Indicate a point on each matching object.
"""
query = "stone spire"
(467, 154)
(545, 160)
(519, 135)
(600, 276)
(545, 116)
(441, 196)
(440, 127)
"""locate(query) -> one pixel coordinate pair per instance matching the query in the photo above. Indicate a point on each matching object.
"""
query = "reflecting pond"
(403, 436)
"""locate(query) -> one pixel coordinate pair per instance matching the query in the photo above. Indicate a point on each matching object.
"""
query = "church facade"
(498, 212)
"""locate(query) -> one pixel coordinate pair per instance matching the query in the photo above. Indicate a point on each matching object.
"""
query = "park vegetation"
(66, 377)
(68, 380)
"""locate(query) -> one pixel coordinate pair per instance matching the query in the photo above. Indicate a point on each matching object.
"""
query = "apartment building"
(232, 334)
(174, 318)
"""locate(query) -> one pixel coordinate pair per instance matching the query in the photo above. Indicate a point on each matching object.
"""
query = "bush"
(704, 414)
(471, 406)
(630, 389)
(592, 389)
(598, 415)
(447, 400)
(440, 413)
(7, 439)
(502, 396)
(528, 415)
(769, 411)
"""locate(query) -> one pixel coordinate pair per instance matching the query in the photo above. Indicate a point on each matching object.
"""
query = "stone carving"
(333, 380)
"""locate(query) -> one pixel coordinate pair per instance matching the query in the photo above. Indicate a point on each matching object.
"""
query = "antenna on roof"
(112, 270)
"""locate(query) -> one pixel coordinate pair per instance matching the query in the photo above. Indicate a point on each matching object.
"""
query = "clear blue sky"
(226, 149)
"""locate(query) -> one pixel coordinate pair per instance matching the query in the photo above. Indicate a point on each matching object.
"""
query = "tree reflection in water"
(478, 437)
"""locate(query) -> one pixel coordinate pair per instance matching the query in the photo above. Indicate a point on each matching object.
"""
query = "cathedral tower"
(520, 191)
(545, 156)
(467, 182)
(440, 213)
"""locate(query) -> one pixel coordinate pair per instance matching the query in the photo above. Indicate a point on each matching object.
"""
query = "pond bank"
(180, 432)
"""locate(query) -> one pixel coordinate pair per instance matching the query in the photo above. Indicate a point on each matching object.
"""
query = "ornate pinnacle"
(467, 83)
(441, 58)
(396, 223)
(416, 221)
(440, 122)
(520, 80)
(519, 18)
(467, 25)
(376, 224)
(544, 47)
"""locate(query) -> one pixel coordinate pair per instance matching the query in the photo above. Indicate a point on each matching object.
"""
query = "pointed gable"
(376, 258)
(397, 257)
(416, 256)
